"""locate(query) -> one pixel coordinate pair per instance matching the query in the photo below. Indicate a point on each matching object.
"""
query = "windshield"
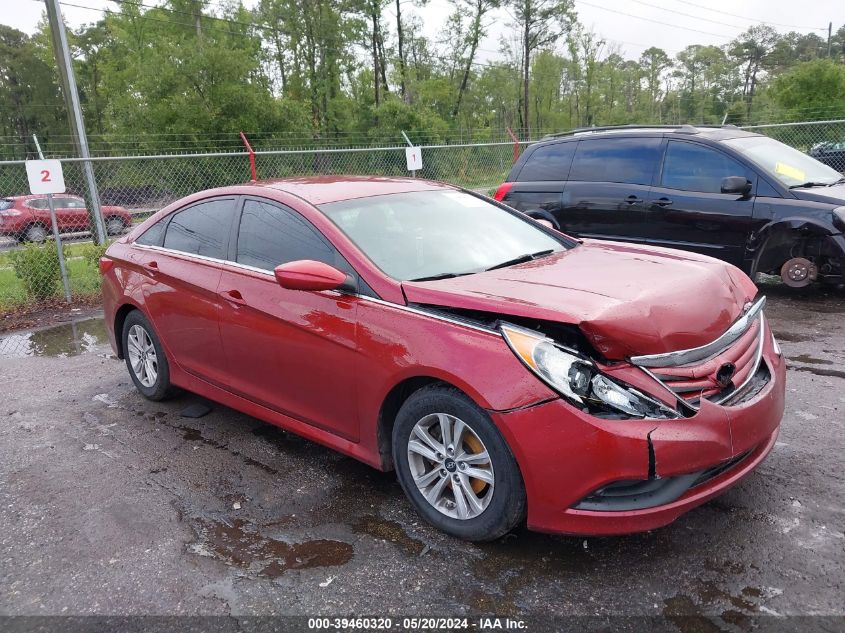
(791, 167)
(434, 234)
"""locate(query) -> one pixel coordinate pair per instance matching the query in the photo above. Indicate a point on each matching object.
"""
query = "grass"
(83, 278)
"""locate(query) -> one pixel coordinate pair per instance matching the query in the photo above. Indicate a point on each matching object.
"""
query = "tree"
(29, 98)
(654, 61)
(476, 11)
(752, 50)
(540, 23)
(814, 89)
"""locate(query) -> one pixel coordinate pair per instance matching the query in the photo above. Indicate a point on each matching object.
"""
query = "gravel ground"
(110, 504)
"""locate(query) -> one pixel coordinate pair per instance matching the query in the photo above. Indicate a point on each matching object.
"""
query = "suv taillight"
(502, 191)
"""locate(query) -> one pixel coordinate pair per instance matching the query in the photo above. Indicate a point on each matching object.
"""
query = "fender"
(775, 239)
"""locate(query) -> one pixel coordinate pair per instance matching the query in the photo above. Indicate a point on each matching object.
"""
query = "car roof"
(678, 131)
(325, 189)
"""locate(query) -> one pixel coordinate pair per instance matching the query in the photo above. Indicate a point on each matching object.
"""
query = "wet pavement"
(113, 504)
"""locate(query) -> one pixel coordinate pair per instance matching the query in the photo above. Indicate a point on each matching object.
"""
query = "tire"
(36, 234)
(151, 379)
(115, 225)
(500, 495)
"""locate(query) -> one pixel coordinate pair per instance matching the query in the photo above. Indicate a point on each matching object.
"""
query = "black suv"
(741, 197)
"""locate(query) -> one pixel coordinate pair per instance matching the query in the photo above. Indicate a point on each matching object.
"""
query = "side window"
(153, 235)
(75, 203)
(627, 160)
(691, 167)
(202, 229)
(550, 162)
(39, 203)
(270, 235)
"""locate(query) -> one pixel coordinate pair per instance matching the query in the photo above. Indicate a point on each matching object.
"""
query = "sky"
(632, 25)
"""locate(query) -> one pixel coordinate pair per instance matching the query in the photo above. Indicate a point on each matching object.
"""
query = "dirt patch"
(49, 312)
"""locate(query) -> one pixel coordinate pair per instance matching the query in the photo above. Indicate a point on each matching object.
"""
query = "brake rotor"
(799, 272)
(475, 446)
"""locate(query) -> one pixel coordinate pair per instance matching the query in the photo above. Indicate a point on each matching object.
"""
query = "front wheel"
(455, 467)
(145, 357)
(115, 226)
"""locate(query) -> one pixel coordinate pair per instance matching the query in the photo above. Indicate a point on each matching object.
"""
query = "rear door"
(687, 209)
(76, 214)
(291, 351)
(540, 182)
(181, 259)
(608, 187)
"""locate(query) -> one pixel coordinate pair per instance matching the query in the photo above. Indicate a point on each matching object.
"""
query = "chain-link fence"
(133, 187)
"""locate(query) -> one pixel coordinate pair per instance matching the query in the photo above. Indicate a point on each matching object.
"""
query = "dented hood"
(627, 299)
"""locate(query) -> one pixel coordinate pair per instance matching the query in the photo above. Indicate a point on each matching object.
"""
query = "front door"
(291, 351)
(687, 209)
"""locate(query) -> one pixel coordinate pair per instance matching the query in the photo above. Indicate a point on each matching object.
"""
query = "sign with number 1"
(45, 176)
(413, 156)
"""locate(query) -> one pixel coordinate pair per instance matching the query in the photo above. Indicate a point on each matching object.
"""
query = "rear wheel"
(145, 358)
(115, 226)
(36, 234)
(455, 467)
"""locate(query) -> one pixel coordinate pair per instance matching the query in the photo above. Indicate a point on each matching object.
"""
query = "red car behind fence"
(27, 218)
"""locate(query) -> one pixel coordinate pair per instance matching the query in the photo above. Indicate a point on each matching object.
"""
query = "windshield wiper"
(522, 259)
(811, 184)
(838, 182)
(439, 276)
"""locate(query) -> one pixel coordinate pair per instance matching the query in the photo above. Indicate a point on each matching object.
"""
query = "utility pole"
(829, 33)
(77, 124)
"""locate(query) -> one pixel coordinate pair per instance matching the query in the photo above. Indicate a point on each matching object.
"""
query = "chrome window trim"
(692, 355)
(398, 306)
(758, 358)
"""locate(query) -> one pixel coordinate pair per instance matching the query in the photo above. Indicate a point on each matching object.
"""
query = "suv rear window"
(549, 162)
(627, 160)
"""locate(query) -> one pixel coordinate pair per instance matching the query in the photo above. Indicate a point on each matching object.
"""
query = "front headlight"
(578, 379)
(839, 217)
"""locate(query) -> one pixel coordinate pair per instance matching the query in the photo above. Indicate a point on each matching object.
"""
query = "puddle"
(834, 373)
(67, 339)
(806, 358)
(792, 337)
(238, 544)
(389, 531)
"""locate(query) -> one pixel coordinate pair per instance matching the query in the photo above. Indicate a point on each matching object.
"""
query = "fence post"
(515, 144)
(252, 170)
(56, 235)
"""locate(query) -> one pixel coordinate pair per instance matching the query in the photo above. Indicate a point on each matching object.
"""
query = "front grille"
(719, 372)
(699, 380)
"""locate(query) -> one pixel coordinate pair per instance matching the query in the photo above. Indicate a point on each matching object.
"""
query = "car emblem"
(725, 374)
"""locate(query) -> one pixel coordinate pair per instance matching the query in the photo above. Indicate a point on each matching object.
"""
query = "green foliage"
(37, 266)
(815, 86)
(91, 254)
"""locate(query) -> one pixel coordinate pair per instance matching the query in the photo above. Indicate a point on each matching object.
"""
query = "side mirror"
(740, 185)
(306, 274)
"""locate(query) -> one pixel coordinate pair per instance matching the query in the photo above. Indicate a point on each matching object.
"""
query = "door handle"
(662, 202)
(233, 296)
(633, 199)
(151, 267)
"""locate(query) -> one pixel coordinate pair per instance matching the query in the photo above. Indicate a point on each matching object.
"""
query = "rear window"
(550, 162)
(626, 160)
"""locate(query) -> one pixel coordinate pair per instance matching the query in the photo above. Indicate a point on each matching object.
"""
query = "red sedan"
(27, 218)
(504, 370)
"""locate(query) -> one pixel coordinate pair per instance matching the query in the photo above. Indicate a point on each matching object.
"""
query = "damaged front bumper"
(587, 475)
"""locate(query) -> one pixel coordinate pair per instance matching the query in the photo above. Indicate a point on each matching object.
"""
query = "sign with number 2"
(45, 176)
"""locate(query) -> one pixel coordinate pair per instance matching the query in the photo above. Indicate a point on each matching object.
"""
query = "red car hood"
(627, 299)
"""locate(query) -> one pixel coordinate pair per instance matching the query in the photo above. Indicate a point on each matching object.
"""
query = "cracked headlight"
(578, 379)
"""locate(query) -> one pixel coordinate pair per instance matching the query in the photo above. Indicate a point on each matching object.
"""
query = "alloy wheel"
(142, 355)
(451, 466)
